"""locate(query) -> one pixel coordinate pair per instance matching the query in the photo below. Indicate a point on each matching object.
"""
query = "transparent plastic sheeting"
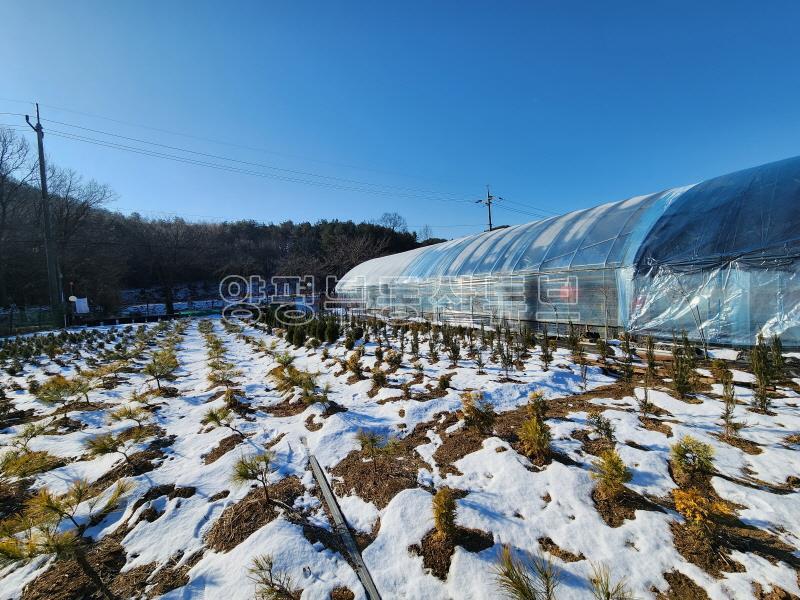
(718, 259)
(725, 305)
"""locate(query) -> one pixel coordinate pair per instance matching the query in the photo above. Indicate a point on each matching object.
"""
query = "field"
(129, 469)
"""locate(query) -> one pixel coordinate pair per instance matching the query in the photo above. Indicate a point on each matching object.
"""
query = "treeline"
(101, 252)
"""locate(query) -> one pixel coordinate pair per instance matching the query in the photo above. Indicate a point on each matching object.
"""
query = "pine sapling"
(270, 583)
(478, 412)
(444, 513)
(254, 468)
(535, 437)
(221, 417)
(531, 578)
(611, 474)
(605, 588)
(691, 457)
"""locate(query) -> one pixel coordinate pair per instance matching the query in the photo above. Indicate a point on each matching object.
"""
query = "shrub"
(285, 359)
(547, 355)
(603, 349)
(349, 343)
(394, 359)
(161, 365)
(221, 417)
(683, 360)
(729, 424)
(691, 457)
(56, 390)
(698, 509)
(444, 381)
(610, 473)
(650, 355)
(478, 412)
(534, 435)
(776, 357)
(378, 377)
(444, 513)
(354, 364)
(132, 413)
(534, 578)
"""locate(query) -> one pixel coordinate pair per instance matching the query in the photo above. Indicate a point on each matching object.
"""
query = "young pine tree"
(444, 513)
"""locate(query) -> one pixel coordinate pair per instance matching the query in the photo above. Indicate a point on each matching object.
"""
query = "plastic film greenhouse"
(718, 259)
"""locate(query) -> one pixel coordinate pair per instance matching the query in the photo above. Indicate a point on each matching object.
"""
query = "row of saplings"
(55, 524)
(67, 394)
(691, 462)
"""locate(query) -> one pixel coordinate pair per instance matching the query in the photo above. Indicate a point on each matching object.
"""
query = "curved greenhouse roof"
(749, 211)
(719, 258)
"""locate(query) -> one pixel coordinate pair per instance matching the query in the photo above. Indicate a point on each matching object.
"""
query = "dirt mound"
(239, 521)
(66, 580)
(437, 552)
(225, 445)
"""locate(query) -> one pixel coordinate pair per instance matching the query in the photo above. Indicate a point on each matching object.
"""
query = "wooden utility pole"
(54, 289)
(488, 202)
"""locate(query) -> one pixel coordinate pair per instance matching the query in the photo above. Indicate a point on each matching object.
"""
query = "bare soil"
(680, 587)
(225, 445)
(436, 552)
(746, 446)
(380, 479)
(656, 425)
(65, 580)
(551, 547)
(238, 521)
(615, 511)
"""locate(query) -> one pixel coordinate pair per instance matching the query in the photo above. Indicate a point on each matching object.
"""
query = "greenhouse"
(718, 259)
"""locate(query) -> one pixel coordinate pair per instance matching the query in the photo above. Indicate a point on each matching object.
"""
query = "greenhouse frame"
(718, 259)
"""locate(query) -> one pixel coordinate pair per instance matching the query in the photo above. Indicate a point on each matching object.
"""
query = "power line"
(201, 138)
(253, 164)
(421, 193)
(232, 169)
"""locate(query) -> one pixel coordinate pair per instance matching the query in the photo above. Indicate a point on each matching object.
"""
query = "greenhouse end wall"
(718, 260)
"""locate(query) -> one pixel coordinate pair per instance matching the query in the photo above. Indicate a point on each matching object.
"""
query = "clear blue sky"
(559, 105)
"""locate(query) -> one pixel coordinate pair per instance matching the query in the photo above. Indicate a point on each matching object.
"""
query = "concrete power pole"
(488, 202)
(54, 289)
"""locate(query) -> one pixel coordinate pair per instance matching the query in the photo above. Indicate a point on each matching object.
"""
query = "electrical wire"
(365, 187)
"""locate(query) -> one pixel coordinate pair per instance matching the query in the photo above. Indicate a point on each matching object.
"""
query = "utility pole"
(488, 202)
(54, 290)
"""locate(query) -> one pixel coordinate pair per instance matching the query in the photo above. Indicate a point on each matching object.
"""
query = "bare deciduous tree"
(15, 174)
(393, 221)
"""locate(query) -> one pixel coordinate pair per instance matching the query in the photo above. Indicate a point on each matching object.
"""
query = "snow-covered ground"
(501, 493)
